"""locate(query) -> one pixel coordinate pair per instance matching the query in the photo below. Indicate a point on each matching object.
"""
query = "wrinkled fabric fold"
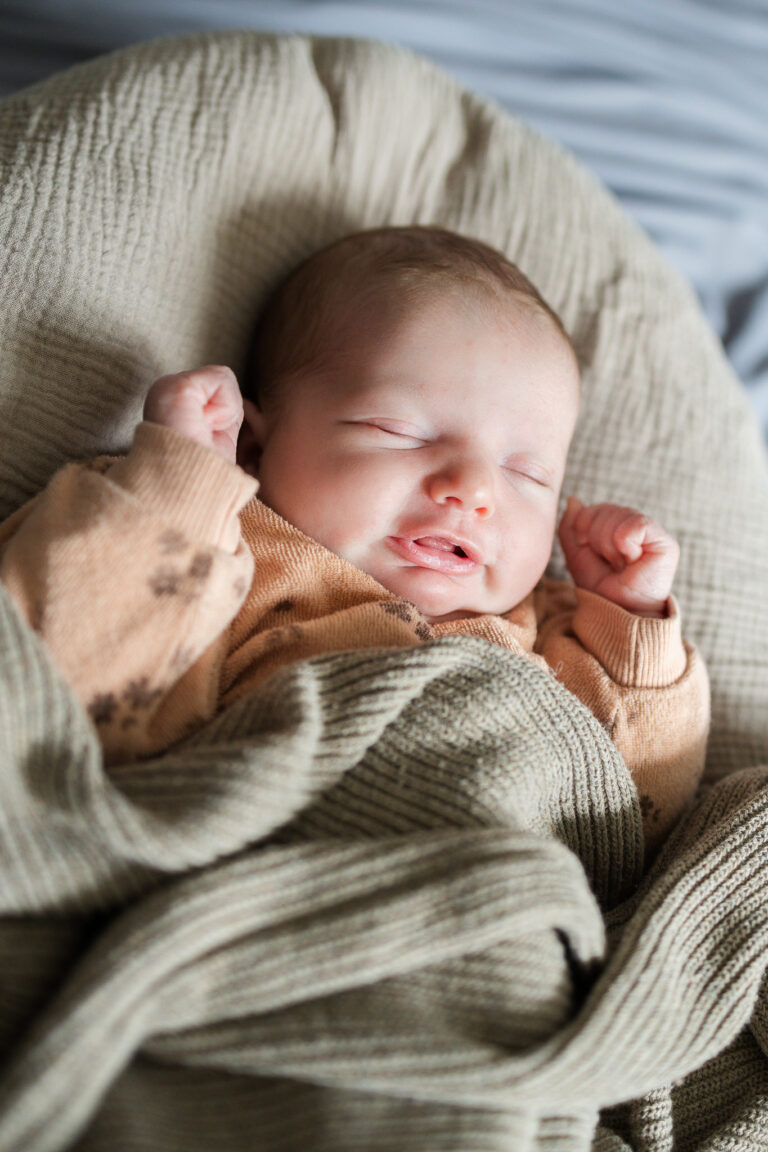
(404, 883)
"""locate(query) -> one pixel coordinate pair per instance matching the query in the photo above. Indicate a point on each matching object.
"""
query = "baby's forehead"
(354, 305)
(409, 351)
(387, 314)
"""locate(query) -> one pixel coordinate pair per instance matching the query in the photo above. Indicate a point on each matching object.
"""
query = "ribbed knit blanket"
(389, 901)
(392, 901)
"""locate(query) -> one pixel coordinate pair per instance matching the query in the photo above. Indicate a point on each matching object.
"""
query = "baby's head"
(414, 402)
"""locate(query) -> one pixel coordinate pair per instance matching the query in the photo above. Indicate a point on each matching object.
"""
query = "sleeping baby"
(392, 477)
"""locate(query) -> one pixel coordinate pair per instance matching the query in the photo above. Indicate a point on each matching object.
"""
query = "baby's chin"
(459, 614)
(438, 600)
(441, 605)
(439, 597)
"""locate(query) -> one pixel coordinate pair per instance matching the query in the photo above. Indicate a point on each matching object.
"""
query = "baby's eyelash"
(390, 429)
(534, 477)
(399, 431)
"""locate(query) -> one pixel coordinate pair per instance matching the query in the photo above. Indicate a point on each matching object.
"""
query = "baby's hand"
(621, 554)
(204, 404)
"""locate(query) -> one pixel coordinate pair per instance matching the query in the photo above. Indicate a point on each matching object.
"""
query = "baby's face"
(431, 453)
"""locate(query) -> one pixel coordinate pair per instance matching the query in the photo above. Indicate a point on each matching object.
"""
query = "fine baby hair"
(305, 318)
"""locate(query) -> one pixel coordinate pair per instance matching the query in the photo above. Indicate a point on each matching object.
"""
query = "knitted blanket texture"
(392, 901)
(388, 901)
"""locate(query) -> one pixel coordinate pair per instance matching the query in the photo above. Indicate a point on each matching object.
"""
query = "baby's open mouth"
(435, 552)
(441, 543)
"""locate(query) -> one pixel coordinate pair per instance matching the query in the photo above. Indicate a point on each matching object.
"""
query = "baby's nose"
(468, 484)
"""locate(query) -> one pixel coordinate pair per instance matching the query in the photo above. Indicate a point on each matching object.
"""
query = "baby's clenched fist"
(204, 404)
(621, 554)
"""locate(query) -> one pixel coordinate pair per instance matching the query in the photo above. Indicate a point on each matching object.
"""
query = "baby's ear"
(251, 438)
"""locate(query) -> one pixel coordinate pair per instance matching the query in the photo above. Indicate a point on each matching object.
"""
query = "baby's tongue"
(435, 542)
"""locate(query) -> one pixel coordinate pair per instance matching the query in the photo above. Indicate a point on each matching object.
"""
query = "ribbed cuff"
(636, 651)
(192, 487)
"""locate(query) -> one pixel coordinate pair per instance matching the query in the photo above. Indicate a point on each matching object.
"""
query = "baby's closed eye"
(394, 429)
(528, 470)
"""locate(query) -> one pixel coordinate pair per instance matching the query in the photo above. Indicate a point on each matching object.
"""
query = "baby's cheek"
(375, 484)
(529, 538)
(364, 504)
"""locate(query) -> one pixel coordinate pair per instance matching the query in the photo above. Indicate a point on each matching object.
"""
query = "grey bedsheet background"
(665, 100)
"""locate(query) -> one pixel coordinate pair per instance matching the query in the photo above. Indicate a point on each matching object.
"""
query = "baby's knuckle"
(221, 370)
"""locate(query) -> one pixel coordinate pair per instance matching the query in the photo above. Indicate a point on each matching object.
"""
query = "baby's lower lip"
(425, 556)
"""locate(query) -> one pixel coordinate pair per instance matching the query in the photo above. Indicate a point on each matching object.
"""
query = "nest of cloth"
(388, 899)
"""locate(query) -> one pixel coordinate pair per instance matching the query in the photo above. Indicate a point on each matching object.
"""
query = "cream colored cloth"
(165, 591)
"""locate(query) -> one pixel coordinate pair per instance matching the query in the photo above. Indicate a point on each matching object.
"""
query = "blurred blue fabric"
(665, 100)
